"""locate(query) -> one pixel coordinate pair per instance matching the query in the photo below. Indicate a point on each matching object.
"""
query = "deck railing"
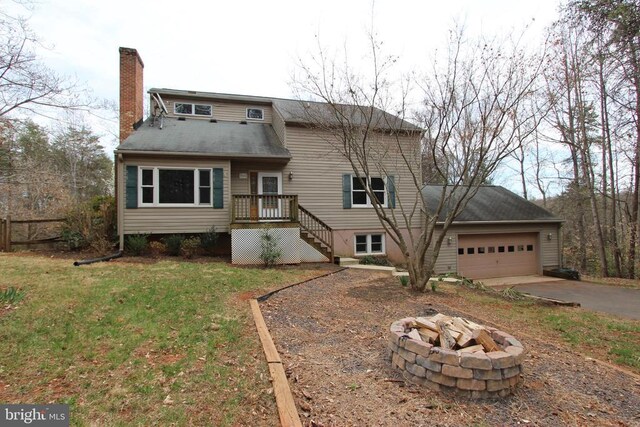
(264, 207)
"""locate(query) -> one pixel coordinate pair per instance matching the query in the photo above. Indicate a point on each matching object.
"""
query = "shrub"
(374, 260)
(11, 296)
(209, 239)
(404, 280)
(173, 243)
(270, 251)
(189, 247)
(157, 248)
(91, 225)
(137, 244)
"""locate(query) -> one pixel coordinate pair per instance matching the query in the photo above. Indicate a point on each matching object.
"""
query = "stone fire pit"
(477, 371)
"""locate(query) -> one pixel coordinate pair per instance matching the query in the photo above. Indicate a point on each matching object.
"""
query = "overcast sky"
(251, 47)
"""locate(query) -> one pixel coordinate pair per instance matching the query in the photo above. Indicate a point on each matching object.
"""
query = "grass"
(136, 344)
(599, 335)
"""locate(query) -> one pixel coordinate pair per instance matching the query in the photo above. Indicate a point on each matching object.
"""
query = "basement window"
(368, 244)
(192, 109)
(255, 113)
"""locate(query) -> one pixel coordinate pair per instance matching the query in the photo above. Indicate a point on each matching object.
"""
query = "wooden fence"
(7, 223)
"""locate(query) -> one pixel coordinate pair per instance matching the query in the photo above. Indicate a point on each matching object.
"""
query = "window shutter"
(218, 188)
(131, 194)
(391, 186)
(346, 191)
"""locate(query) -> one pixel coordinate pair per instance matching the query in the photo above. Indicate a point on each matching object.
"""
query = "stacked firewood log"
(453, 333)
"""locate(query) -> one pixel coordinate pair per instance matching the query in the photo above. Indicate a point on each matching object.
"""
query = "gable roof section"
(201, 137)
(492, 204)
(296, 111)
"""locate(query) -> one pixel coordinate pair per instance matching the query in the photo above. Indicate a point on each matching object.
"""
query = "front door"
(270, 186)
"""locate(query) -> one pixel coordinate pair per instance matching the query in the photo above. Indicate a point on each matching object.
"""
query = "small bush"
(137, 244)
(11, 296)
(434, 285)
(404, 281)
(512, 294)
(374, 260)
(157, 248)
(91, 225)
(209, 240)
(173, 243)
(189, 247)
(270, 251)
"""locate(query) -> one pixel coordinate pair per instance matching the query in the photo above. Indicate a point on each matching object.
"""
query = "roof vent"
(213, 121)
(182, 119)
(243, 122)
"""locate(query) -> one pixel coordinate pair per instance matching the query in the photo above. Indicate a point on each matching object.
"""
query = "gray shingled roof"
(299, 112)
(295, 111)
(197, 136)
(492, 204)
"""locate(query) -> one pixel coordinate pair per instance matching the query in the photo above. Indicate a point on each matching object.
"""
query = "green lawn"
(128, 343)
(605, 337)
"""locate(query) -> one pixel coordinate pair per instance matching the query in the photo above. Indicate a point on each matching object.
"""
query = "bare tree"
(470, 116)
(26, 84)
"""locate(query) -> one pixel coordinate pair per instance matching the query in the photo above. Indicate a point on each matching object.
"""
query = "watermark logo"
(34, 415)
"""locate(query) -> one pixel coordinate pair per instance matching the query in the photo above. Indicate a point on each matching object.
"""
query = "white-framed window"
(359, 196)
(174, 187)
(255, 114)
(369, 244)
(188, 109)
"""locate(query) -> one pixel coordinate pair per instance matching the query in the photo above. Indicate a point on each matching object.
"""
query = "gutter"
(506, 222)
(192, 154)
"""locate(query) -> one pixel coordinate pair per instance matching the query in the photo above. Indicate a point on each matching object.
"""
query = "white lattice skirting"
(246, 246)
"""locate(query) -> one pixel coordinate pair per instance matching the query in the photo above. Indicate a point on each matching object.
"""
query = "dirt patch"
(332, 336)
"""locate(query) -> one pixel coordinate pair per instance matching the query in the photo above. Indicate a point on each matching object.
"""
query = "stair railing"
(316, 227)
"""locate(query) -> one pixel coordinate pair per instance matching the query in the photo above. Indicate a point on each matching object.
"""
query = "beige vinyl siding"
(550, 249)
(162, 220)
(241, 185)
(222, 110)
(317, 179)
(279, 127)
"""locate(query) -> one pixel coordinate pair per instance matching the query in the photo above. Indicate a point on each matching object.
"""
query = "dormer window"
(183, 108)
(255, 114)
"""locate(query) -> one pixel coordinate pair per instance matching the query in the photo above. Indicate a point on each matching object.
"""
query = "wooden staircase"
(316, 233)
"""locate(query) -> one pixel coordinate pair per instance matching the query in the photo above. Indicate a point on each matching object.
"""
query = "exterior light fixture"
(290, 176)
(549, 236)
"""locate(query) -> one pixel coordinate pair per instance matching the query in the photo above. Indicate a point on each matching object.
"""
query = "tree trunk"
(633, 235)
(607, 156)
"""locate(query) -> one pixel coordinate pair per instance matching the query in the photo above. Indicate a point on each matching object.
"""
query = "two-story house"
(240, 162)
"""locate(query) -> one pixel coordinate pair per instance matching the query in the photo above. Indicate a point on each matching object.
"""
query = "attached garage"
(498, 234)
(498, 255)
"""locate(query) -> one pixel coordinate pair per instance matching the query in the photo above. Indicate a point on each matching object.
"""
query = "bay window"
(175, 186)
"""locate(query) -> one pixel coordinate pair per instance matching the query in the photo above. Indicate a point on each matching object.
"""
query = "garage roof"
(492, 203)
(197, 136)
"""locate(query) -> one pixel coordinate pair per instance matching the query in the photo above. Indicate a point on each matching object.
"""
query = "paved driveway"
(609, 299)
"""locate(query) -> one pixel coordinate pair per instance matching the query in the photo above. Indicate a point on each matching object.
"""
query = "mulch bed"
(332, 336)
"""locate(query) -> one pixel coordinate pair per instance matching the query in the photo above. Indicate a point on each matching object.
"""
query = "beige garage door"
(497, 255)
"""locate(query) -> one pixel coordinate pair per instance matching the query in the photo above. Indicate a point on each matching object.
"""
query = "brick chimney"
(131, 91)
